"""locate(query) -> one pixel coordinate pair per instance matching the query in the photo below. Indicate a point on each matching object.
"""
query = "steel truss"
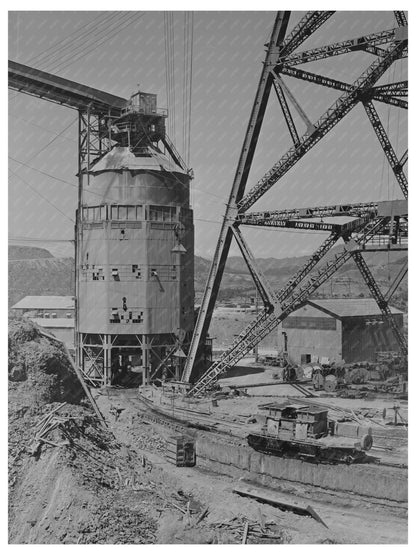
(366, 225)
(381, 301)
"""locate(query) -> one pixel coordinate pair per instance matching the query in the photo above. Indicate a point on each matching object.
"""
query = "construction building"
(46, 306)
(338, 329)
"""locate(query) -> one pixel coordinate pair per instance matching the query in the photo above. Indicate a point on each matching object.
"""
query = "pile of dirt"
(70, 480)
(40, 365)
(66, 470)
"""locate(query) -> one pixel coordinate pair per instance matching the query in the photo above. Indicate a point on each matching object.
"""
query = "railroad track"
(180, 422)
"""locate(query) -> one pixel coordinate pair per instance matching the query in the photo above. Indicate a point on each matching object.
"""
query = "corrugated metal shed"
(347, 308)
(49, 302)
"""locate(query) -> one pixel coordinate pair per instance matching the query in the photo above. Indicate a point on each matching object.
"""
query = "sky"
(116, 51)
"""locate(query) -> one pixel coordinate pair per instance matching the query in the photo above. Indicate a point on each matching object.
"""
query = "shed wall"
(361, 341)
(309, 334)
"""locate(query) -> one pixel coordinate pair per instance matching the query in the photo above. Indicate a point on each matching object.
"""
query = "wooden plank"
(270, 497)
(202, 516)
(245, 533)
(79, 376)
(315, 515)
(261, 520)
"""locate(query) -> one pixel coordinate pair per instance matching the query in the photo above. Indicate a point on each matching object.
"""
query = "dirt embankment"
(67, 473)
(72, 482)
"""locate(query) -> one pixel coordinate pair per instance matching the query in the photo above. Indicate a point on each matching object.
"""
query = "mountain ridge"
(34, 271)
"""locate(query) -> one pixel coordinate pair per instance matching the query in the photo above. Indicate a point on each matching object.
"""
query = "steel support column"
(237, 191)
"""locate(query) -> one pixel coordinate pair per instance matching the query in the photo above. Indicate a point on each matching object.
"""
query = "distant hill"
(26, 253)
(34, 271)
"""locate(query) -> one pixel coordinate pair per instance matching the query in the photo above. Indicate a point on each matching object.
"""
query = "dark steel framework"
(370, 228)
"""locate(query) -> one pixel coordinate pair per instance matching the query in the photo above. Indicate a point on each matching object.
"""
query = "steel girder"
(397, 89)
(306, 26)
(403, 159)
(326, 122)
(174, 154)
(382, 94)
(356, 210)
(401, 18)
(343, 47)
(237, 191)
(291, 299)
(62, 91)
(286, 112)
(381, 301)
(386, 146)
(266, 293)
(396, 282)
(279, 57)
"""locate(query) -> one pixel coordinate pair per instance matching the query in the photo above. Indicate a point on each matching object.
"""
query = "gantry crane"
(374, 226)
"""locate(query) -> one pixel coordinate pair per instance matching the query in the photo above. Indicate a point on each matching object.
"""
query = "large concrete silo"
(135, 256)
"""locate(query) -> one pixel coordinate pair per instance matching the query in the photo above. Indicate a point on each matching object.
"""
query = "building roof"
(121, 158)
(46, 302)
(344, 308)
(54, 322)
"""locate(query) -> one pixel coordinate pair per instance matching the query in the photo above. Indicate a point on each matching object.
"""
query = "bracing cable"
(126, 23)
(58, 47)
(42, 196)
(187, 84)
(170, 72)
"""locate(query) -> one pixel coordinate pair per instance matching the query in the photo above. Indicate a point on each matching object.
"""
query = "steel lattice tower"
(377, 226)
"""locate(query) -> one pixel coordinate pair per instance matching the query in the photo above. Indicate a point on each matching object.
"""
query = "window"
(126, 212)
(94, 213)
(310, 322)
(131, 212)
(122, 212)
(162, 213)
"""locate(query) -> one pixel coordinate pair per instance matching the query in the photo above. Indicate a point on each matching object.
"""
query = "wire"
(119, 28)
(73, 59)
(41, 196)
(188, 150)
(34, 156)
(57, 178)
(41, 127)
(53, 140)
(73, 49)
(169, 36)
(68, 47)
(64, 43)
